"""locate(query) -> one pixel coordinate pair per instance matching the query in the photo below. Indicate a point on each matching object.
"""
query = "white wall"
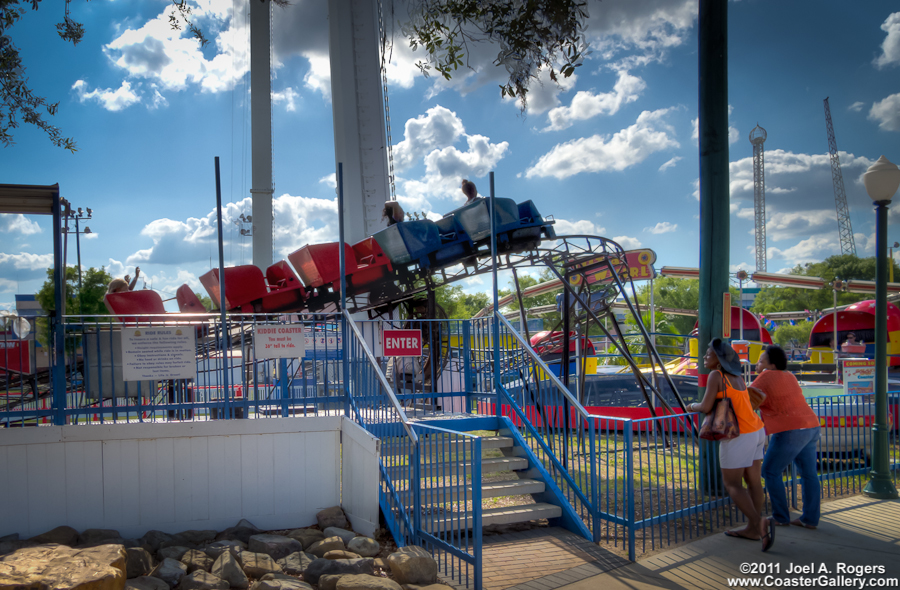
(277, 473)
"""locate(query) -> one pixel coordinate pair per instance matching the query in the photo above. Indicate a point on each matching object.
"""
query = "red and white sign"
(402, 342)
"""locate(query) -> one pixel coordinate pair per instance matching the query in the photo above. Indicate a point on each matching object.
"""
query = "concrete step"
(487, 442)
(491, 465)
(505, 515)
(493, 489)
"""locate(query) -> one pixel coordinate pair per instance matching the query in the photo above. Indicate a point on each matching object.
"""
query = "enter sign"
(403, 343)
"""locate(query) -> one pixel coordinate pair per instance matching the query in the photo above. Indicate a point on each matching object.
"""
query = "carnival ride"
(858, 318)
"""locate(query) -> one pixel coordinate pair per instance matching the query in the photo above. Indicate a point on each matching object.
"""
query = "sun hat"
(731, 362)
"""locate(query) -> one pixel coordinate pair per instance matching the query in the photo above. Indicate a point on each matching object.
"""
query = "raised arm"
(713, 385)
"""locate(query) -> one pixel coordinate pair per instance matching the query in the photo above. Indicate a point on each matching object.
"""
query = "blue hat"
(728, 358)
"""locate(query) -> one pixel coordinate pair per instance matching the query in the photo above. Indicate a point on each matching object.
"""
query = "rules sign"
(402, 343)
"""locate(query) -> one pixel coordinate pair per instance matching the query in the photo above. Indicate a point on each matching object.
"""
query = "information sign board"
(279, 341)
(859, 376)
(159, 353)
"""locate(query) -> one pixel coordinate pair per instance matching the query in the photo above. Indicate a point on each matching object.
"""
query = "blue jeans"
(797, 446)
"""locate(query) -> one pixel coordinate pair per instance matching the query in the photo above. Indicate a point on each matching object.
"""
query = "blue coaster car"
(410, 242)
(455, 243)
(475, 218)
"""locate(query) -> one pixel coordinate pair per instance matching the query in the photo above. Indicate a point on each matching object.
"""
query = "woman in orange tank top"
(740, 458)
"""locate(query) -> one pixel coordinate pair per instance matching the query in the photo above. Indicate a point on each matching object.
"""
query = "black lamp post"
(882, 180)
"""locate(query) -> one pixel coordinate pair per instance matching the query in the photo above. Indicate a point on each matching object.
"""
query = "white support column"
(261, 127)
(358, 108)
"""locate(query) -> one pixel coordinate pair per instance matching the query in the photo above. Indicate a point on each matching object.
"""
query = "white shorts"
(741, 452)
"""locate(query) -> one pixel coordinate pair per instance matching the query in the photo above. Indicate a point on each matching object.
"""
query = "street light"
(882, 180)
(78, 216)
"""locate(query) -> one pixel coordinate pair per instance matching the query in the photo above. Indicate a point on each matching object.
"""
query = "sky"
(611, 151)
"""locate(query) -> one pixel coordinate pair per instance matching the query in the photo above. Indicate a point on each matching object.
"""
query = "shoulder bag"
(721, 422)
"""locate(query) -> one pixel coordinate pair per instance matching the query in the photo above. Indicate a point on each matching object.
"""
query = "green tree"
(205, 300)
(798, 333)
(88, 301)
(550, 319)
(459, 304)
(674, 293)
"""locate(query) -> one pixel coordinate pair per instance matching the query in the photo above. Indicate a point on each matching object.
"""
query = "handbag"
(757, 397)
(721, 422)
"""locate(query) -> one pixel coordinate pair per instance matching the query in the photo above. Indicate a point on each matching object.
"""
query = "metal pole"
(834, 319)
(78, 251)
(741, 306)
(652, 336)
(496, 325)
(226, 369)
(345, 366)
(57, 329)
(880, 485)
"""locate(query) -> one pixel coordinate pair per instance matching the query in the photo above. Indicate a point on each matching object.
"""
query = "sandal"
(798, 522)
(737, 535)
(782, 523)
(769, 538)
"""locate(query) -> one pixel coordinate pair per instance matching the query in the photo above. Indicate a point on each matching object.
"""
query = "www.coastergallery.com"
(838, 581)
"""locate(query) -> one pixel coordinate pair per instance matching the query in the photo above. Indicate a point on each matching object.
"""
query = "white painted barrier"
(277, 473)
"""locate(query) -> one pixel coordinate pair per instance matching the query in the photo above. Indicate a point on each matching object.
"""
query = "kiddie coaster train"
(398, 269)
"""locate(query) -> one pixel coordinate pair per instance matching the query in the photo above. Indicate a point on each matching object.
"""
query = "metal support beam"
(261, 128)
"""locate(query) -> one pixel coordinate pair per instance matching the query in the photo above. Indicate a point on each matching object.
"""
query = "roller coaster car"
(246, 291)
(188, 302)
(550, 347)
(456, 244)
(319, 265)
(475, 219)
(125, 305)
(410, 242)
(373, 267)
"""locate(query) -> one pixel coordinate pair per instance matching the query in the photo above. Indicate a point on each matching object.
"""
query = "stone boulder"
(169, 571)
(7, 547)
(242, 531)
(202, 580)
(329, 582)
(175, 552)
(228, 568)
(320, 548)
(365, 582)
(195, 560)
(62, 535)
(217, 548)
(413, 565)
(92, 536)
(153, 540)
(275, 546)
(137, 562)
(296, 563)
(197, 538)
(256, 565)
(62, 568)
(306, 536)
(279, 582)
(323, 567)
(339, 554)
(146, 583)
(333, 516)
(7, 538)
(344, 534)
(364, 546)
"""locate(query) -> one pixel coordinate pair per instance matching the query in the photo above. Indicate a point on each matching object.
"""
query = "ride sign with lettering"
(402, 342)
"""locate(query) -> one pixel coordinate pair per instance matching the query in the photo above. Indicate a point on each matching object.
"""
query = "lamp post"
(882, 180)
(78, 217)
(741, 277)
(836, 285)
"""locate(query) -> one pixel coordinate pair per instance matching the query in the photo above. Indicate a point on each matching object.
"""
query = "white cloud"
(111, 100)
(733, 133)
(812, 249)
(318, 77)
(437, 128)
(578, 227)
(670, 163)
(663, 227)
(26, 261)
(856, 106)
(288, 96)
(18, 223)
(544, 93)
(887, 112)
(329, 180)
(586, 104)
(627, 242)
(782, 226)
(890, 48)
(597, 153)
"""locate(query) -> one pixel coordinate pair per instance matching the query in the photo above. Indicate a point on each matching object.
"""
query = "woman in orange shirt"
(794, 431)
(740, 458)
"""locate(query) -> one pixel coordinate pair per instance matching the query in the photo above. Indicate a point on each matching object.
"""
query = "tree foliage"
(458, 304)
(533, 35)
(798, 334)
(88, 301)
(845, 267)
(550, 319)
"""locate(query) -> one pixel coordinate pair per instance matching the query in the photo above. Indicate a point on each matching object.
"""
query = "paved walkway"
(855, 531)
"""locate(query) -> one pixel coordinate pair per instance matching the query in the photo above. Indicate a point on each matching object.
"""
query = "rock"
(322, 567)
(228, 568)
(109, 541)
(138, 562)
(413, 565)
(217, 548)
(329, 582)
(177, 541)
(7, 547)
(175, 552)
(152, 540)
(275, 546)
(169, 571)
(7, 538)
(241, 532)
(198, 538)
(62, 535)
(246, 524)
(306, 536)
(344, 534)
(382, 563)
(146, 583)
(296, 563)
(428, 587)
(365, 582)
(202, 580)
(333, 516)
(364, 546)
(280, 582)
(91, 536)
(320, 548)
(62, 568)
(339, 554)
(256, 565)
(195, 560)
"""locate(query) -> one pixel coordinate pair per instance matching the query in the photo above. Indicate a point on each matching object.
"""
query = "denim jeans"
(797, 446)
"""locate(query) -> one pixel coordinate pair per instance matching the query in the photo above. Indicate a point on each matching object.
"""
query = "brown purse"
(721, 422)
(757, 397)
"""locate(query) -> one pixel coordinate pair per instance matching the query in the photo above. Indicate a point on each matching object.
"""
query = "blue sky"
(612, 152)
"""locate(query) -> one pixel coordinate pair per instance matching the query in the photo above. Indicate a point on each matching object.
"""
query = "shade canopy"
(28, 199)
